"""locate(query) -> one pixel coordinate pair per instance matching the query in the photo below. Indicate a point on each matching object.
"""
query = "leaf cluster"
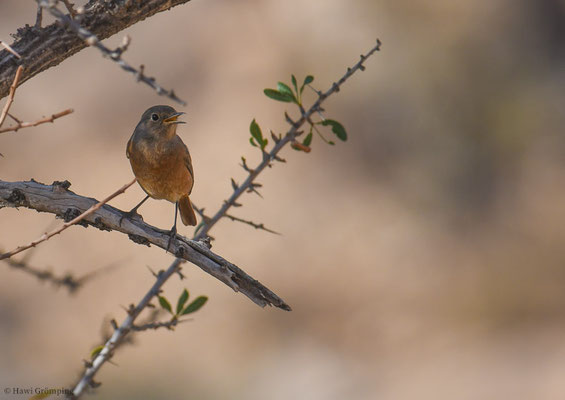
(181, 310)
(284, 93)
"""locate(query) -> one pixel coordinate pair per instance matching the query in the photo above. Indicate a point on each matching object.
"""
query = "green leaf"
(182, 300)
(284, 89)
(309, 79)
(294, 83)
(307, 140)
(165, 304)
(276, 95)
(195, 305)
(256, 131)
(257, 135)
(96, 351)
(337, 128)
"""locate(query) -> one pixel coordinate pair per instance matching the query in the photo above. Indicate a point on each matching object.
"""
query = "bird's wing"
(188, 164)
(128, 147)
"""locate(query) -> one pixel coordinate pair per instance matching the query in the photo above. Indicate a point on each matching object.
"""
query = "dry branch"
(76, 220)
(19, 124)
(114, 55)
(123, 330)
(46, 47)
(11, 95)
(68, 281)
(58, 200)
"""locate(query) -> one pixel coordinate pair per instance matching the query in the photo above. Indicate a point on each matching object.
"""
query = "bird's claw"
(172, 237)
(130, 215)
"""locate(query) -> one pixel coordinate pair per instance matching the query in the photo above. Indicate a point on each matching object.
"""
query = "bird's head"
(160, 121)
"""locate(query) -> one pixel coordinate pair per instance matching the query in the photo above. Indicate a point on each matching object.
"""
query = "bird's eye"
(154, 117)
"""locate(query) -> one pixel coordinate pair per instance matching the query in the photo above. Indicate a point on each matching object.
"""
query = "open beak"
(173, 119)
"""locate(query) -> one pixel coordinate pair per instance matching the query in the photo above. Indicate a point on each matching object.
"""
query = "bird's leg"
(133, 211)
(173, 232)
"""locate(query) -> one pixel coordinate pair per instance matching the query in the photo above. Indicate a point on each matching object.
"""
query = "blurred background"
(423, 258)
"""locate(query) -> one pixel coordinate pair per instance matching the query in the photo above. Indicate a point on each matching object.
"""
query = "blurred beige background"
(424, 258)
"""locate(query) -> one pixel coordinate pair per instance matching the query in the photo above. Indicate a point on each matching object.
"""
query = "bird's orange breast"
(161, 168)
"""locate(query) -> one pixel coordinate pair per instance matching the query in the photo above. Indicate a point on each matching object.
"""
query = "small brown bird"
(161, 162)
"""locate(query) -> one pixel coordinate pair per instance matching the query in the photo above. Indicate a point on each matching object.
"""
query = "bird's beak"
(172, 119)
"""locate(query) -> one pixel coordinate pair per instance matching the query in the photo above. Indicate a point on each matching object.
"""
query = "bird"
(161, 163)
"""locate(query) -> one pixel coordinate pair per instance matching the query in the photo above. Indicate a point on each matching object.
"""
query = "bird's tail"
(186, 212)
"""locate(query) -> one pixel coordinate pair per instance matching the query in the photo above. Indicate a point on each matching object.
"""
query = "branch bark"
(58, 200)
(44, 48)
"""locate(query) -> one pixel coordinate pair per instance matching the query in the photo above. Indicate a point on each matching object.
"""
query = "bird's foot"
(172, 237)
(132, 214)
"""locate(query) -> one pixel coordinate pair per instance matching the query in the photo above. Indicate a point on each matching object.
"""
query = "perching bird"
(161, 162)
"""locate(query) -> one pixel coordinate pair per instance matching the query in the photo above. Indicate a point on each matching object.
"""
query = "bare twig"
(20, 124)
(251, 223)
(156, 325)
(11, 95)
(38, 17)
(69, 7)
(287, 138)
(66, 225)
(9, 48)
(68, 280)
(92, 40)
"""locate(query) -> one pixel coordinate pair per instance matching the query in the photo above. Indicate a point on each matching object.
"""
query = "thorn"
(152, 272)
(288, 119)
(180, 274)
(234, 185)
(244, 165)
(93, 384)
(275, 138)
(253, 190)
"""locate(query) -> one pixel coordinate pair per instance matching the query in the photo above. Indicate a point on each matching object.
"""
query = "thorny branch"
(255, 225)
(156, 325)
(68, 281)
(37, 49)
(114, 55)
(289, 137)
(121, 333)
